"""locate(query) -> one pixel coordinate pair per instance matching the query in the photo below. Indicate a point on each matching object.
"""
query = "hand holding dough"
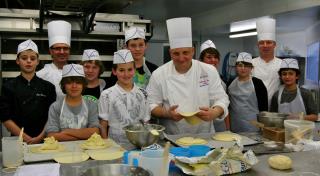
(280, 162)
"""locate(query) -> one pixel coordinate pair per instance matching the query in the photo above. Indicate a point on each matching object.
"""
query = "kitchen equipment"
(298, 129)
(116, 170)
(151, 130)
(272, 133)
(154, 161)
(140, 137)
(271, 119)
(12, 151)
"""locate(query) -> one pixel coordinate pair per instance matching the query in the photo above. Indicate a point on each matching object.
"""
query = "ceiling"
(213, 16)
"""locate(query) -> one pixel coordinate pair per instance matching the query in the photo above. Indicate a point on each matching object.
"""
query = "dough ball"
(280, 162)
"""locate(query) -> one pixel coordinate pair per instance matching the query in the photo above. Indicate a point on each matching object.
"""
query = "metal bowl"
(116, 170)
(272, 119)
(139, 136)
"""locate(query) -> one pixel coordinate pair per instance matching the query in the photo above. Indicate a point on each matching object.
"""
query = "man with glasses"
(59, 34)
(267, 65)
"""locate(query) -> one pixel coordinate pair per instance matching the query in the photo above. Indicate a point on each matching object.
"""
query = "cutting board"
(70, 146)
(211, 143)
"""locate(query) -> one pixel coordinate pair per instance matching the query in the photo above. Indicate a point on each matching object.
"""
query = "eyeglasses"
(60, 48)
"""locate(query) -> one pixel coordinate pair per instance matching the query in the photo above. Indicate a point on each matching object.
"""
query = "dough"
(280, 162)
(71, 157)
(50, 145)
(95, 142)
(191, 118)
(105, 155)
(191, 141)
(188, 114)
(226, 136)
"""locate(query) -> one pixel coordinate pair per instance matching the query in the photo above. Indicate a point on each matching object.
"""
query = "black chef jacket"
(27, 103)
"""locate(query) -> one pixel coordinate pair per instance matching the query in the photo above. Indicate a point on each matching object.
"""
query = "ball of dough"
(280, 162)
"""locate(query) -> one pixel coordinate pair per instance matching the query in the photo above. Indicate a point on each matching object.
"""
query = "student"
(124, 103)
(210, 55)
(25, 100)
(73, 117)
(248, 96)
(93, 68)
(59, 35)
(291, 98)
(136, 42)
(186, 85)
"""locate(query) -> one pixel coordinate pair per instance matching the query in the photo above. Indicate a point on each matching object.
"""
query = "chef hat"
(289, 63)
(179, 32)
(26, 45)
(59, 32)
(90, 54)
(72, 70)
(244, 57)
(266, 28)
(122, 56)
(134, 32)
(207, 44)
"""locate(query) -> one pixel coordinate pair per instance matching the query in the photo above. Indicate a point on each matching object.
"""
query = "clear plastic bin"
(298, 129)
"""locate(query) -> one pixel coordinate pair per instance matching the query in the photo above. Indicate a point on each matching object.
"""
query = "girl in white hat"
(93, 68)
(248, 96)
(291, 98)
(25, 100)
(124, 103)
(73, 117)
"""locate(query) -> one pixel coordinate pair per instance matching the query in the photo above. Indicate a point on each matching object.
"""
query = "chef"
(25, 100)
(93, 68)
(186, 85)
(59, 33)
(247, 94)
(266, 66)
(290, 98)
(137, 44)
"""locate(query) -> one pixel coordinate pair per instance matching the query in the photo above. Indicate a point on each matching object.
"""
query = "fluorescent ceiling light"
(237, 35)
(244, 28)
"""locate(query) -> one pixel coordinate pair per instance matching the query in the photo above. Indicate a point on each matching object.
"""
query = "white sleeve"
(218, 96)
(103, 106)
(155, 93)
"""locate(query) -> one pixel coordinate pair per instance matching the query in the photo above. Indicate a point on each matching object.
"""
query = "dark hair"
(70, 79)
(145, 41)
(96, 62)
(286, 69)
(244, 63)
(212, 51)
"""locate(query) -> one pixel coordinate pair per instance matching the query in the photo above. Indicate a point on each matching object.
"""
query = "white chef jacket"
(53, 74)
(121, 108)
(199, 86)
(268, 73)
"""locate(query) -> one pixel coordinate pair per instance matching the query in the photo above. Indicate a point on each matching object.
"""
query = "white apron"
(189, 91)
(243, 106)
(294, 107)
(71, 120)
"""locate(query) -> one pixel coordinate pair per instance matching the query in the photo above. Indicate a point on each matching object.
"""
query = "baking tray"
(211, 143)
(70, 146)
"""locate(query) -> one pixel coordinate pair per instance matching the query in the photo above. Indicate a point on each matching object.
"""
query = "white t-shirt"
(199, 86)
(268, 73)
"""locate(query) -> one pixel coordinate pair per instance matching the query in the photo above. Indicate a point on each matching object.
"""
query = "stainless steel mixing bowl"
(140, 136)
(272, 119)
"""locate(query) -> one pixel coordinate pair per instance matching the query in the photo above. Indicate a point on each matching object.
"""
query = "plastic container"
(298, 129)
(198, 150)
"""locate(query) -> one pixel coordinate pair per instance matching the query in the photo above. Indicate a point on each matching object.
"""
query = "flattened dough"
(38, 149)
(226, 136)
(191, 141)
(103, 155)
(95, 142)
(188, 114)
(280, 162)
(71, 157)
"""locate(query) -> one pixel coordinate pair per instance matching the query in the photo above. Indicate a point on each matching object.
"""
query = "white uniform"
(200, 86)
(51, 73)
(268, 73)
(121, 108)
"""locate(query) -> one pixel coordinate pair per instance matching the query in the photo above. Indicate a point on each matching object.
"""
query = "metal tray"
(211, 143)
